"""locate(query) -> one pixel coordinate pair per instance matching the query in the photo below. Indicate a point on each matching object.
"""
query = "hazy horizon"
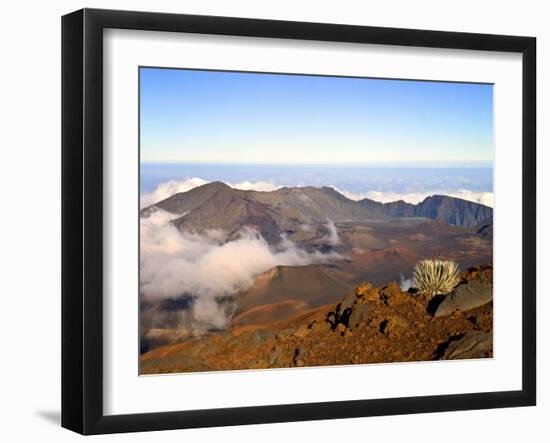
(381, 183)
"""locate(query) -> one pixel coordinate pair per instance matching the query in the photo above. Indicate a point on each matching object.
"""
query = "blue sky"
(225, 117)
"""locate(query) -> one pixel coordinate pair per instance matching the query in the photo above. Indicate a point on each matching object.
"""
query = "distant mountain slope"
(485, 229)
(230, 210)
(187, 201)
(308, 284)
(271, 312)
(302, 213)
(307, 203)
(454, 211)
(451, 210)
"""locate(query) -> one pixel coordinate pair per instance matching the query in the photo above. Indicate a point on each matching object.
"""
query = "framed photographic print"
(269, 221)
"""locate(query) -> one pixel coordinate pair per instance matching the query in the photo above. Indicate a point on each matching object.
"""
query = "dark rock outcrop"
(485, 229)
(476, 344)
(466, 296)
(358, 314)
(452, 210)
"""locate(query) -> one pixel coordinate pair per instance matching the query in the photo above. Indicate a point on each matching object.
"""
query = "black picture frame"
(82, 219)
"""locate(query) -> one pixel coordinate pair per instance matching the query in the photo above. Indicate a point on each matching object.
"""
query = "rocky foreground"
(370, 325)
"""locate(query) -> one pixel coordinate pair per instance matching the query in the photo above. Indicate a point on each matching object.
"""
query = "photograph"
(292, 220)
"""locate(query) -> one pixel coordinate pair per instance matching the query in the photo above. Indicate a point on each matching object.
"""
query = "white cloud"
(255, 186)
(174, 263)
(166, 189)
(332, 238)
(405, 283)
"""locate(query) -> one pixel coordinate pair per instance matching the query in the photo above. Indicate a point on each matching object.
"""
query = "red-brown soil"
(370, 325)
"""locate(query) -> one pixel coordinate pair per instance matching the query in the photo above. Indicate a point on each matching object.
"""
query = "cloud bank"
(484, 198)
(175, 264)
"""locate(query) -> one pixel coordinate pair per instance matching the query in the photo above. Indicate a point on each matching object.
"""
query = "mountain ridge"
(303, 212)
(451, 210)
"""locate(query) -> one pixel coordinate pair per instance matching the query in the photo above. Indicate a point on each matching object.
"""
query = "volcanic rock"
(477, 344)
(466, 296)
(392, 294)
(366, 292)
(394, 326)
(359, 313)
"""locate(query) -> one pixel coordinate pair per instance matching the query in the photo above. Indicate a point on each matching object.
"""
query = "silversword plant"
(433, 277)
